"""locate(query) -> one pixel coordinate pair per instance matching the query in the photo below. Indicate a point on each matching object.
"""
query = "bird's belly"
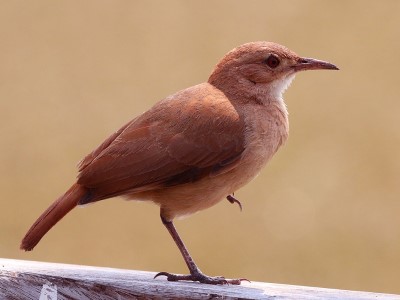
(264, 136)
(186, 199)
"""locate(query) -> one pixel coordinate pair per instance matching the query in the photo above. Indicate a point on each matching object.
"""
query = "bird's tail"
(52, 215)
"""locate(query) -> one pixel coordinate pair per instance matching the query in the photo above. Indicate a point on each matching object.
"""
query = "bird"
(194, 148)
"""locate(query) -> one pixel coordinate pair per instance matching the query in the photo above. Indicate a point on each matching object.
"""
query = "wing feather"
(161, 149)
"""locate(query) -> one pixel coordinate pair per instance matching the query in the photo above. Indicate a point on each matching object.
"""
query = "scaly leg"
(195, 273)
(233, 200)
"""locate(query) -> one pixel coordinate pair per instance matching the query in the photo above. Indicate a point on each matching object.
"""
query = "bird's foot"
(233, 200)
(200, 277)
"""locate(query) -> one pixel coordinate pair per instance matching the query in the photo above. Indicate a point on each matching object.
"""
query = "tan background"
(326, 212)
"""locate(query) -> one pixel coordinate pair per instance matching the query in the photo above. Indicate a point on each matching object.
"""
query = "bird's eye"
(272, 61)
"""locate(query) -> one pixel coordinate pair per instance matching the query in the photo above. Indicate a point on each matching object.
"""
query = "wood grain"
(38, 280)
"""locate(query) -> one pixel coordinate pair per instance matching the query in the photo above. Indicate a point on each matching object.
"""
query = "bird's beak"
(304, 64)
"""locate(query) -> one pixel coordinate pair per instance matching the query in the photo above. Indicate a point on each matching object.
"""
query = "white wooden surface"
(49, 281)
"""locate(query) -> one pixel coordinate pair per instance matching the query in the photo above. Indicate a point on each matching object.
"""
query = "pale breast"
(267, 129)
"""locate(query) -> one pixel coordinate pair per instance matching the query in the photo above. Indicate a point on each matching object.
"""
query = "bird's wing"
(194, 133)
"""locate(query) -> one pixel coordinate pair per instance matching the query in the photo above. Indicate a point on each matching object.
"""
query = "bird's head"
(261, 68)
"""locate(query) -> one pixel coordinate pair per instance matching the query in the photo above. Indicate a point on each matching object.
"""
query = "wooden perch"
(21, 279)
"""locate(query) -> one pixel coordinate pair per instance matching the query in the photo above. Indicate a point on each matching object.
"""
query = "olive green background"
(326, 210)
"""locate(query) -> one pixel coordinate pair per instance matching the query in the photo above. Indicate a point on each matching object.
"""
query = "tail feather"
(52, 215)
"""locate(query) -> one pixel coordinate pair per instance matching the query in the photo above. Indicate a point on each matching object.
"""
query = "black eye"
(272, 61)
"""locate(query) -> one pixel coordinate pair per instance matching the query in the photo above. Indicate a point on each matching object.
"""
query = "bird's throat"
(278, 87)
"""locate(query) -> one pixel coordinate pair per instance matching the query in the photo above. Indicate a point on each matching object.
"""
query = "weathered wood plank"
(37, 280)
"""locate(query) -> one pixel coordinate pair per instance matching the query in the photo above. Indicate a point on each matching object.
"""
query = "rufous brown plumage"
(193, 148)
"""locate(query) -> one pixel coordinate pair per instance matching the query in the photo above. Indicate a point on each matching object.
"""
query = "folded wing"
(194, 133)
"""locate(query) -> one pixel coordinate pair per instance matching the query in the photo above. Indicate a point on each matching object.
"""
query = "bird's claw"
(233, 200)
(200, 277)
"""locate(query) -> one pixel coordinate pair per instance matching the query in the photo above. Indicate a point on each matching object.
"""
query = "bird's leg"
(232, 199)
(195, 273)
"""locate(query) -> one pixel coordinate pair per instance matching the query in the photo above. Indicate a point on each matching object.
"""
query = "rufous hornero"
(193, 148)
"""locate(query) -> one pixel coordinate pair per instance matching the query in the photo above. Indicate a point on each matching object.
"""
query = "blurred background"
(325, 212)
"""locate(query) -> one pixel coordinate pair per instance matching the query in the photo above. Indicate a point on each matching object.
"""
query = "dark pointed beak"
(304, 64)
